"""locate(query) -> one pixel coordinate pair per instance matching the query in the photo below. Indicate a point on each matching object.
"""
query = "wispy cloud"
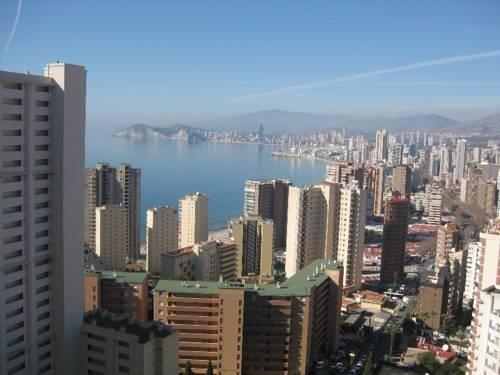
(13, 30)
(376, 73)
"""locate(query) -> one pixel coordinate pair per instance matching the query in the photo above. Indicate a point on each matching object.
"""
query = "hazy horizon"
(176, 62)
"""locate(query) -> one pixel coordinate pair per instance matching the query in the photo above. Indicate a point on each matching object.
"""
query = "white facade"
(112, 236)
(484, 356)
(42, 163)
(381, 145)
(473, 252)
(460, 159)
(161, 234)
(486, 345)
(433, 203)
(351, 234)
(193, 219)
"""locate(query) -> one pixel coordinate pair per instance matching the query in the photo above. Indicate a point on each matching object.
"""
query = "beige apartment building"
(112, 236)
(161, 235)
(117, 292)
(42, 152)
(311, 225)
(327, 221)
(401, 179)
(107, 185)
(487, 197)
(117, 344)
(193, 219)
(254, 329)
(228, 260)
(253, 237)
(269, 200)
(448, 241)
(201, 261)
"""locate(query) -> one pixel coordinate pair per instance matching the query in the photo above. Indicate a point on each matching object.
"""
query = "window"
(12, 101)
(40, 191)
(42, 275)
(12, 116)
(43, 302)
(15, 326)
(42, 330)
(10, 210)
(11, 163)
(42, 103)
(42, 248)
(16, 354)
(41, 147)
(42, 205)
(12, 86)
(8, 179)
(13, 254)
(42, 289)
(124, 369)
(42, 118)
(14, 283)
(12, 132)
(42, 219)
(13, 269)
(42, 133)
(42, 89)
(12, 194)
(14, 298)
(42, 162)
(42, 233)
(12, 148)
(12, 224)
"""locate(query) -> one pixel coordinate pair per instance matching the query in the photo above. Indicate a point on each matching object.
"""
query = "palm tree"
(393, 329)
(461, 336)
(187, 369)
(369, 365)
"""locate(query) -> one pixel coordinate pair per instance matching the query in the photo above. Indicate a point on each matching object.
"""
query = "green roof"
(297, 285)
(121, 277)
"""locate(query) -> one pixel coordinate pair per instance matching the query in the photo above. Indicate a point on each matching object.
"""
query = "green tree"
(429, 362)
(369, 365)
(187, 369)
(393, 330)
(210, 369)
(461, 336)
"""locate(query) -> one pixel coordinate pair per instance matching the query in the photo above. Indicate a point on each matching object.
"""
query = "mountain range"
(276, 121)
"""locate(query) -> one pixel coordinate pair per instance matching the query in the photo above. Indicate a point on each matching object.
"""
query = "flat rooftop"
(144, 331)
(297, 285)
(120, 277)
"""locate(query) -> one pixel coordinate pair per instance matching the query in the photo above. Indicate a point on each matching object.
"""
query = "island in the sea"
(177, 132)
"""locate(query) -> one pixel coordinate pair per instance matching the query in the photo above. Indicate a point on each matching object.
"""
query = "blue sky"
(166, 61)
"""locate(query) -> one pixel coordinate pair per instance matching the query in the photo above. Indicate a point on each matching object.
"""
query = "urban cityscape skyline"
(276, 242)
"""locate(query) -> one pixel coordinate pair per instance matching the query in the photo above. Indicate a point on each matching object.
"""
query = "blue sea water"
(173, 169)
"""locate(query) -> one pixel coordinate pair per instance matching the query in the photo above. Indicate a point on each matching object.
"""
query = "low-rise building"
(117, 344)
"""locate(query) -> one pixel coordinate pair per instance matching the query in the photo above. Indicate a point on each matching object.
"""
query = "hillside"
(275, 121)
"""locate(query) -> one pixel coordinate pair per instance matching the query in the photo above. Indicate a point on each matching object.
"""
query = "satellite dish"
(445, 347)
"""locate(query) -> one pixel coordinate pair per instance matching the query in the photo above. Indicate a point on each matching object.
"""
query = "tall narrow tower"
(42, 156)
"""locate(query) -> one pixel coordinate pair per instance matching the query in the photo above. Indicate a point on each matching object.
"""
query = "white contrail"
(14, 27)
(354, 77)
